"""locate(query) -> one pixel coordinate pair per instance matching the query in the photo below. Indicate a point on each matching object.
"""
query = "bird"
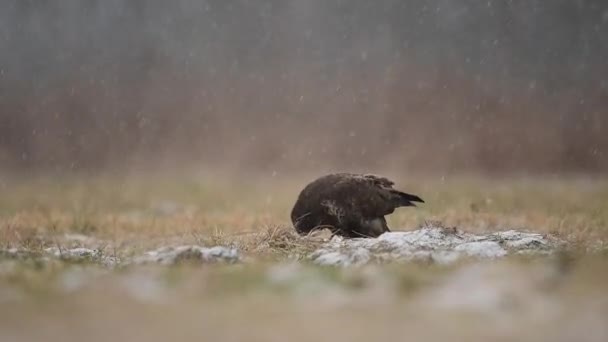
(350, 205)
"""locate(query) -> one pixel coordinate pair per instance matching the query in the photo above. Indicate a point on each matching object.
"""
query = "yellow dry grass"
(250, 212)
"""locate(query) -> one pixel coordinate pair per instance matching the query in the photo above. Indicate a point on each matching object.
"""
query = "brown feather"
(351, 205)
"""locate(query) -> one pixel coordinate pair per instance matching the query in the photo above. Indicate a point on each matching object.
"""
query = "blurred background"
(271, 86)
(130, 127)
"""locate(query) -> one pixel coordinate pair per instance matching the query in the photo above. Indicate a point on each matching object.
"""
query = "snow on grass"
(82, 254)
(175, 255)
(433, 243)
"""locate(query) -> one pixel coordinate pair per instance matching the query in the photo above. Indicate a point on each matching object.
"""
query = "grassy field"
(269, 297)
(148, 209)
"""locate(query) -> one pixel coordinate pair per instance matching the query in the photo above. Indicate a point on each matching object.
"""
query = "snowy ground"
(430, 243)
(432, 283)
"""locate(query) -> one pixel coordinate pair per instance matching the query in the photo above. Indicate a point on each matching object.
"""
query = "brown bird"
(350, 205)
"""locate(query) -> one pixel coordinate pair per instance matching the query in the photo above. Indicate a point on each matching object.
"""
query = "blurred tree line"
(444, 86)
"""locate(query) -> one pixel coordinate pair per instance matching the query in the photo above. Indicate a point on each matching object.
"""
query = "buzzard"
(350, 205)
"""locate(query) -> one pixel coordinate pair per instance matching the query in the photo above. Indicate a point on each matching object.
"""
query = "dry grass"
(254, 214)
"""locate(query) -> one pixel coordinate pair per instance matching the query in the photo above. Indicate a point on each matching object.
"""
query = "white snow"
(483, 249)
(167, 255)
(357, 256)
(433, 243)
(174, 255)
(82, 254)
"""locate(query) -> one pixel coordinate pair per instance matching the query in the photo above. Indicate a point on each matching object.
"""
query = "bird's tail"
(406, 200)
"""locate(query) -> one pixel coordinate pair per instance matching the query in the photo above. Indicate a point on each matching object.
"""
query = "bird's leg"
(385, 225)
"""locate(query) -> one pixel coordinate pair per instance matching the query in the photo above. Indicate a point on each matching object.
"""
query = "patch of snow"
(482, 249)
(517, 240)
(163, 255)
(358, 256)
(73, 253)
(444, 257)
(175, 255)
(431, 243)
(82, 254)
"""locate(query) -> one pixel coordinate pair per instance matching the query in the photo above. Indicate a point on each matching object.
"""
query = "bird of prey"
(350, 205)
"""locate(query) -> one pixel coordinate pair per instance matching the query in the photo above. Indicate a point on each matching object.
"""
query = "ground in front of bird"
(270, 293)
